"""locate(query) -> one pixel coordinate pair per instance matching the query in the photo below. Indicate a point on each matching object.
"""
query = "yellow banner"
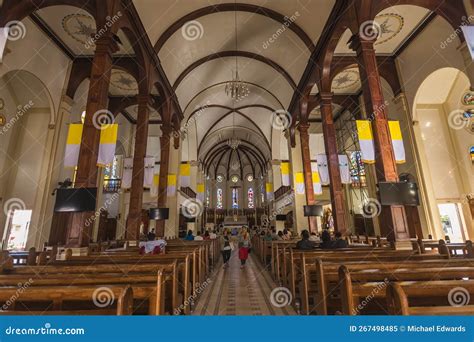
(171, 179)
(299, 177)
(200, 188)
(74, 135)
(315, 177)
(156, 179)
(108, 135)
(185, 169)
(364, 129)
(395, 131)
(285, 168)
(269, 187)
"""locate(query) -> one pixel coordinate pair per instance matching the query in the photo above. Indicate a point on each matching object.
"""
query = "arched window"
(235, 198)
(250, 200)
(220, 204)
(357, 170)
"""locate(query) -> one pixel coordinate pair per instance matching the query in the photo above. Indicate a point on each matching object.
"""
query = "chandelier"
(233, 143)
(236, 89)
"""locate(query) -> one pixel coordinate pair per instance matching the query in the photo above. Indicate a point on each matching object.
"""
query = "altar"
(235, 221)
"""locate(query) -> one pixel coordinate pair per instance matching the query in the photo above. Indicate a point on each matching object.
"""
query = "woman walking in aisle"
(226, 247)
(244, 247)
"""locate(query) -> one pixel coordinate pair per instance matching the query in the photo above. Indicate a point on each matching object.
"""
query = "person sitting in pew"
(280, 236)
(326, 239)
(213, 235)
(268, 236)
(274, 234)
(189, 236)
(314, 238)
(207, 235)
(198, 237)
(304, 243)
(151, 235)
(339, 242)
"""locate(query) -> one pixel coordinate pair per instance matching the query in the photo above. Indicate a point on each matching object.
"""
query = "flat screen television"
(72, 200)
(159, 213)
(398, 193)
(280, 218)
(313, 210)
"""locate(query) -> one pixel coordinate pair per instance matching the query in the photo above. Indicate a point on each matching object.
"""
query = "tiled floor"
(248, 291)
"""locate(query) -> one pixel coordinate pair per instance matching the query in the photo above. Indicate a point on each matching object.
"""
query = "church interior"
(250, 157)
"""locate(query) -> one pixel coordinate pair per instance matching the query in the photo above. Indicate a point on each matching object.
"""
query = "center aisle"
(235, 291)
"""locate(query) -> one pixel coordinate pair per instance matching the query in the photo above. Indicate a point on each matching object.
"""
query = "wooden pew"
(400, 296)
(317, 273)
(55, 301)
(363, 283)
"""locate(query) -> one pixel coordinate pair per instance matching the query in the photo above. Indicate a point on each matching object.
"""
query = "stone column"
(78, 234)
(296, 161)
(308, 175)
(163, 183)
(136, 192)
(393, 222)
(335, 184)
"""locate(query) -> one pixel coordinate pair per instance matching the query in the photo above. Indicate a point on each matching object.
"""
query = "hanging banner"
(269, 191)
(468, 33)
(366, 141)
(171, 185)
(317, 186)
(185, 175)
(397, 141)
(344, 169)
(154, 187)
(73, 145)
(322, 162)
(149, 172)
(108, 141)
(200, 192)
(285, 173)
(299, 183)
(127, 173)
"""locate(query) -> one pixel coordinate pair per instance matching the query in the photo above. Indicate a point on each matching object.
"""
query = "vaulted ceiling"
(200, 43)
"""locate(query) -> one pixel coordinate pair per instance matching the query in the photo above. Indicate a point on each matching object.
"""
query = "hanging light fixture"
(236, 88)
(233, 142)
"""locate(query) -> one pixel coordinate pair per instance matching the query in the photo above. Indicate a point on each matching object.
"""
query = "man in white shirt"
(198, 237)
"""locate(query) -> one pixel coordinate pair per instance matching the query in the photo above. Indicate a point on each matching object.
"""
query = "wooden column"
(164, 166)
(308, 176)
(136, 193)
(78, 234)
(335, 184)
(393, 221)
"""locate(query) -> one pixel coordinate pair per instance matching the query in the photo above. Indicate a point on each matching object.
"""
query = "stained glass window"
(251, 203)
(220, 204)
(235, 199)
(357, 170)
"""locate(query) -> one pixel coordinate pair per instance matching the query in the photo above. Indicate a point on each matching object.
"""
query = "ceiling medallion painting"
(468, 99)
(345, 79)
(79, 27)
(123, 81)
(390, 25)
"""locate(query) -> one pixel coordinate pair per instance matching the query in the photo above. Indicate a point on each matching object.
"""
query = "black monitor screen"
(313, 210)
(75, 200)
(280, 218)
(158, 213)
(401, 193)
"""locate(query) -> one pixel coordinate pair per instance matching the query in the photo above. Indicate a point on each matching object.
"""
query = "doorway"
(451, 223)
(16, 232)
